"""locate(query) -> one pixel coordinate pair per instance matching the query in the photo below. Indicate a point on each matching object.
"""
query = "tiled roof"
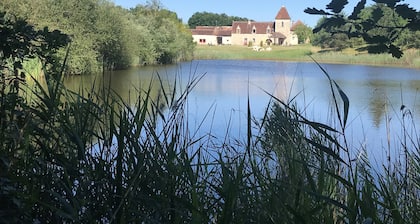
(297, 23)
(223, 31)
(247, 27)
(203, 30)
(278, 35)
(283, 14)
(212, 30)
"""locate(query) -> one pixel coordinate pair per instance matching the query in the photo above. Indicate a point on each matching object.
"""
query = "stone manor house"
(279, 32)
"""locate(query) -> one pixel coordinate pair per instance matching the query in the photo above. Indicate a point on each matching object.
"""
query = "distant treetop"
(212, 19)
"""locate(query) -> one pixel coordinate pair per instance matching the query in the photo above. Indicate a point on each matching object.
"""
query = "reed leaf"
(343, 96)
(325, 149)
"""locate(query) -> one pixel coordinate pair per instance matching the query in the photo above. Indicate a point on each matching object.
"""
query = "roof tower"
(283, 14)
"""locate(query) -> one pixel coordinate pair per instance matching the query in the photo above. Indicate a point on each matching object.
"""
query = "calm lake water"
(376, 95)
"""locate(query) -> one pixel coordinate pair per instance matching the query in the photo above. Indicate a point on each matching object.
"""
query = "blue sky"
(258, 10)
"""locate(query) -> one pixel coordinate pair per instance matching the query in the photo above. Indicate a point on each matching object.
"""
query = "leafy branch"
(380, 28)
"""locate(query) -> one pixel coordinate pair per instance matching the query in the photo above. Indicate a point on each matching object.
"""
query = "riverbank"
(411, 58)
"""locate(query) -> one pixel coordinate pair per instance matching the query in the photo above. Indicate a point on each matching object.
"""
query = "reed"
(89, 157)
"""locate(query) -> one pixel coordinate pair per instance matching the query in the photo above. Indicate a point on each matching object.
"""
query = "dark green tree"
(212, 19)
(380, 27)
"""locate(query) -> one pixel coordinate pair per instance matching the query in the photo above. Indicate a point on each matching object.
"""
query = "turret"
(283, 22)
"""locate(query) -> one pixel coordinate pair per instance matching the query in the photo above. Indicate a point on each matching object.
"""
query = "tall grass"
(89, 158)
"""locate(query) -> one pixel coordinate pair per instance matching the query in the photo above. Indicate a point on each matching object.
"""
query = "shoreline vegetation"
(70, 157)
(89, 157)
(411, 58)
(100, 35)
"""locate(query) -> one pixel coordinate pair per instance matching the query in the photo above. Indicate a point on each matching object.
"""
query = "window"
(202, 41)
(238, 30)
(254, 30)
(268, 30)
(282, 24)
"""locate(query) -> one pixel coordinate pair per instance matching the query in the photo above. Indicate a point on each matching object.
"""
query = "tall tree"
(115, 37)
(168, 40)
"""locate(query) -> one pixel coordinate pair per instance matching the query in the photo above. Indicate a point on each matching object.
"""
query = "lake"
(219, 101)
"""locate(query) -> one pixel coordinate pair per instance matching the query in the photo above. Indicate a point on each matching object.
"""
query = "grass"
(411, 58)
(242, 52)
(68, 157)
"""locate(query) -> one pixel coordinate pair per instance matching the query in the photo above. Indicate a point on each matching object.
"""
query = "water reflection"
(377, 100)
(374, 92)
(128, 84)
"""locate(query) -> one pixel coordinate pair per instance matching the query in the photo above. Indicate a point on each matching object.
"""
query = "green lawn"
(410, 59)
(244, 52)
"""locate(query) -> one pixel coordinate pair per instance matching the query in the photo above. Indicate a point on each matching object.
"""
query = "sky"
(258, 10)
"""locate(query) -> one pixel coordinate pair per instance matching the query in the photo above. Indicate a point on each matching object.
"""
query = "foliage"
(108, 37)
(19, 42)
(76, 19)
(333, 38)
(212, 19)
(74, 158)
(303, 32)
(380, 26)
(170, 40)
(409, 39)
(117, 36)
(69, 157)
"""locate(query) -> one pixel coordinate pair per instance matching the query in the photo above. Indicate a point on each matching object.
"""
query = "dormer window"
(238, 30)
(268, 29)
(254, 30)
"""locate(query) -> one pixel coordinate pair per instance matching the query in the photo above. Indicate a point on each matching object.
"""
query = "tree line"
(212, 19)
(106, 36)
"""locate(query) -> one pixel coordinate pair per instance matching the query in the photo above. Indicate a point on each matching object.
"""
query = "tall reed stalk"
(90, 157)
